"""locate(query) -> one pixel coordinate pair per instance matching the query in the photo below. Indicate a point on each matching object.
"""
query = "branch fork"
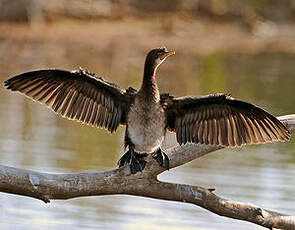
(46, 186)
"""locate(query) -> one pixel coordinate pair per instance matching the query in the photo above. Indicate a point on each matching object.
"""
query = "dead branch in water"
(46, 186)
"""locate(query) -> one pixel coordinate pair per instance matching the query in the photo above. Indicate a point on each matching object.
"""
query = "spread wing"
(76, 95)
(222, 120)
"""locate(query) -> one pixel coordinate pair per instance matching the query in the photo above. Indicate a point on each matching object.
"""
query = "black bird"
(215, 119)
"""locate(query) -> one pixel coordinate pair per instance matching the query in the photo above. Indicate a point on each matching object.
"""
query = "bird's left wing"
(76, 95)
(222, 120)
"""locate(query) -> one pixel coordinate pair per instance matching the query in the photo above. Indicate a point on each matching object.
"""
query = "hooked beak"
(167, 54)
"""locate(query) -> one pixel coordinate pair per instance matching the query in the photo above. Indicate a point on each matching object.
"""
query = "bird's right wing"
(76, 95)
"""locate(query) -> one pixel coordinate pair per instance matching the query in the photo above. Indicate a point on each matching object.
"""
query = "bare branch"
(45, 186)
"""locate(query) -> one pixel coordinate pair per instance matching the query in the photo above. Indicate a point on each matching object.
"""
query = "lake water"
(33, 137)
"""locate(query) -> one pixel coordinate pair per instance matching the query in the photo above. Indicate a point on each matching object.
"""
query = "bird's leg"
(124, 159)
(135, 161)
(162, 158)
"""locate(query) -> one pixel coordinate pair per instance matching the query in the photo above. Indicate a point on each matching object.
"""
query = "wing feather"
(223, 121)
(76, 95)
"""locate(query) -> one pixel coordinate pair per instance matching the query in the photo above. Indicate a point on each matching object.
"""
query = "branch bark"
(45, 186)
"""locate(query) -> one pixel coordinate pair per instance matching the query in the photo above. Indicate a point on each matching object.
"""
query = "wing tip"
(6, 84)
(287, 134)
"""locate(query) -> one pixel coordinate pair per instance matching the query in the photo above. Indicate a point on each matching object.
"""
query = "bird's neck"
(149, 88)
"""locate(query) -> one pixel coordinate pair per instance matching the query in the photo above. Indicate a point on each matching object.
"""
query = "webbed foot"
(135, 161)
(162, 158)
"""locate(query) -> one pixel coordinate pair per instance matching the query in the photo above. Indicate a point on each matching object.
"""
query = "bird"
(215, 119)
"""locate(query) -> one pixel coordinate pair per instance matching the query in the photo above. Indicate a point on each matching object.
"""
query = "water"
(33, 137)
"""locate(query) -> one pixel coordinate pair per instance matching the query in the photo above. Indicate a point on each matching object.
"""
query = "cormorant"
(216, 119)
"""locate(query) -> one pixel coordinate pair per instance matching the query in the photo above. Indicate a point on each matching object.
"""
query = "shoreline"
(187, 35)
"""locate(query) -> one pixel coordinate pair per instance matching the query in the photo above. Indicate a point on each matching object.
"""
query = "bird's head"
(155, 57)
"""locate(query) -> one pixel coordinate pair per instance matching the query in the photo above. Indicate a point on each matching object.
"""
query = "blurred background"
(242, 47)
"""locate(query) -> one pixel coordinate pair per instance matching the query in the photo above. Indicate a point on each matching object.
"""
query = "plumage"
(237, 122)
(216, 119)
(75, 95)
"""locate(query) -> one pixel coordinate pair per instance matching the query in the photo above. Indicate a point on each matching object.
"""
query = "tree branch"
(45, 186)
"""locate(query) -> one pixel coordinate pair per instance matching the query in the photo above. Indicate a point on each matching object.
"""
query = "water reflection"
(33, 137)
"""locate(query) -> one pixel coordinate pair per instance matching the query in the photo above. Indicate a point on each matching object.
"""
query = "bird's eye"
(164, 49)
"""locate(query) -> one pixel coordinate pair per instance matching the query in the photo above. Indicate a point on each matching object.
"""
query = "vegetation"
(246, 10)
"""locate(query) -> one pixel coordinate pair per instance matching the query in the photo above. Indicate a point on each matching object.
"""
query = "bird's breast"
(146, 126)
